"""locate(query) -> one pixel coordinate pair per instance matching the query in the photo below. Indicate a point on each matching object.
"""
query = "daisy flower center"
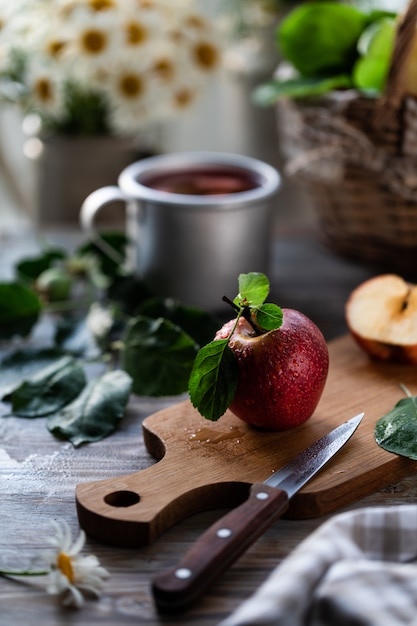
(206, 55)
(131, 85)
(101, 5)
(64, 564)
(43, 89)
(136, 33)
(94, 41)
(183, 98)
(55, 47)
(195, 21)
(164, 69)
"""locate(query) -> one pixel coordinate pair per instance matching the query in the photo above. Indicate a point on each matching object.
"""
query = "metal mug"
(192, 246)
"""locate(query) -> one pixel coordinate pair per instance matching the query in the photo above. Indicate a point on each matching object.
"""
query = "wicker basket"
(356, 157)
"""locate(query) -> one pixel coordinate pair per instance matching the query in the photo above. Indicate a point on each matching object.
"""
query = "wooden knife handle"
(218, 548)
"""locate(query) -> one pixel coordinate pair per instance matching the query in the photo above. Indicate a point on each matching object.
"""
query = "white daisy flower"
(99, 320)
(73, 575)
(69, 575)
(46, 87)
(91, 39)
(138, 60)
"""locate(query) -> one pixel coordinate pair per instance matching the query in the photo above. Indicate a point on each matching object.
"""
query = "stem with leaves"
(214, 376)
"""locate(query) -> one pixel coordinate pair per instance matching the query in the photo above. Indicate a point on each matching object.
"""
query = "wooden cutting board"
(205, 465)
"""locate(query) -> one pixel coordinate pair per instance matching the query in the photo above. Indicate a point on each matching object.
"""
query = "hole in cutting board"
(122, 498)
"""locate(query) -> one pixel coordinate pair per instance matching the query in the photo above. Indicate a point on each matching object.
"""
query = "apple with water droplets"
(281, 373)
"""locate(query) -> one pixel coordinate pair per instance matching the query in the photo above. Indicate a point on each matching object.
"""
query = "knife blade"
(222, 544)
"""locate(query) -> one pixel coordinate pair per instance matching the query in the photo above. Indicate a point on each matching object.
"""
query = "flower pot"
(68, 169)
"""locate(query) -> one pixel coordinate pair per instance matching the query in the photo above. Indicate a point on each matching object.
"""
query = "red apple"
(282, 372)
(381, 315)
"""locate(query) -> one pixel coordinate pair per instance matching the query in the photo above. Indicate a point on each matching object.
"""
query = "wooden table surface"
(39, 475)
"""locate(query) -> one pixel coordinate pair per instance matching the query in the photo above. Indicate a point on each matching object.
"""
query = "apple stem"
(244, 312)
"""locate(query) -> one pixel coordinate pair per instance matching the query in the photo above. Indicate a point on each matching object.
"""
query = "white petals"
(72, 575)
(136, 54)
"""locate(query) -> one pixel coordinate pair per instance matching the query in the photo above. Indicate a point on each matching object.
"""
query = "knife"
(222, 544)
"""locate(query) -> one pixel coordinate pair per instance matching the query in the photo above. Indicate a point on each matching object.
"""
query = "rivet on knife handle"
(218, 548)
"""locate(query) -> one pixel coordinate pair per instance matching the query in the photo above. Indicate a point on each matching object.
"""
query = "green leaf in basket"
(299, 87)
(396, 431)
(375, 46)
(320, 38)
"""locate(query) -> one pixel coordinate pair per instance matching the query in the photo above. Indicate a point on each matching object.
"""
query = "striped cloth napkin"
(354, 570)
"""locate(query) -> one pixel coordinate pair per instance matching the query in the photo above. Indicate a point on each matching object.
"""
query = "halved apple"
(381, 315)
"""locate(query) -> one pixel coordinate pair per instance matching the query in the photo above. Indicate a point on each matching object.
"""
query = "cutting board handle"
(133, 510)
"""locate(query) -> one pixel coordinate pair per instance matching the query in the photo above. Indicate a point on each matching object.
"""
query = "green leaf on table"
(19, 310)
(199, 324)
(49, 390)
(129, 292)
(396, 431)
(28, 269)
(158, 355)
(213, 380)
(73, 336)
(96, 412)
(118, 241)
(269, 316)
(23, 363)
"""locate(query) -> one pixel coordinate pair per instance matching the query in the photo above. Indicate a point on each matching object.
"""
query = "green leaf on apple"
(253, 289)
(213, 379)
(396, 431)
(269, 316)
(214, 376)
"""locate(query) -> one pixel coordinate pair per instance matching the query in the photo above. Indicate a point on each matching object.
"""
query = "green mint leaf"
(49, 390)
(269, 316)
(213, 379)
(158, 355)
(396, 431)
(96, 412)
(253, 289)
(19, 310)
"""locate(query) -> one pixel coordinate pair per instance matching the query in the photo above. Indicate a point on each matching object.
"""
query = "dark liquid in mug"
(202, 181)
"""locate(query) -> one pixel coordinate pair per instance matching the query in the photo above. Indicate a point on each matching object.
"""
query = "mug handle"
(89, 209)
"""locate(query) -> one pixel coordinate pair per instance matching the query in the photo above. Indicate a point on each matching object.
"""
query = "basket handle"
(394, 88)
